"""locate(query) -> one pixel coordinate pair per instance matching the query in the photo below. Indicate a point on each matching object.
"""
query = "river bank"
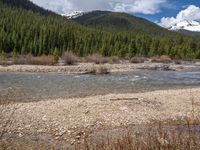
(65, 118)
(84, 68)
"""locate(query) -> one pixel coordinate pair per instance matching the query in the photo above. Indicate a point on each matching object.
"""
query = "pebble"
(20, 135)
(78, 137)
(62, 133)
(72, 142)
(40, 131)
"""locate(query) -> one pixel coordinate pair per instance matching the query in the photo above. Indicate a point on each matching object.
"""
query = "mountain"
(29, 29)
(116, 21)
(73, 14)
(28, 5)
(193, 26)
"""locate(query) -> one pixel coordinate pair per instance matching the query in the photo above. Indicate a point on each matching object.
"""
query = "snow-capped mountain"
(73, 14)
(193, 26)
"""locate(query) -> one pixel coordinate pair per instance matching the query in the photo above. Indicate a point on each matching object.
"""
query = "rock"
(167, 68)
(87, 111)
(78, 137)
(72, 142)
(20, 135)
(27, 126)
(40, 131)
(69, 131)
(44, 118)
(61, 133)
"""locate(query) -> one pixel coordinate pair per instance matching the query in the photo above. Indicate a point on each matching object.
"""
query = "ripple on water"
(62, 85)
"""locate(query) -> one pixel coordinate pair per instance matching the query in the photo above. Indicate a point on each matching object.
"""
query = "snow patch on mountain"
(73, 14)
(192, 25)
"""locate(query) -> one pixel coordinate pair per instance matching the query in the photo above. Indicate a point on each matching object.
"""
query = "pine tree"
(56, 55)
(14, 55)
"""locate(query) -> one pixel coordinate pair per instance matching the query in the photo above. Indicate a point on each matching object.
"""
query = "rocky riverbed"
(83, 68)
(70, 119)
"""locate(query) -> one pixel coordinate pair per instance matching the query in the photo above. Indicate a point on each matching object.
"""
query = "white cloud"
(190, 13)
(132, 6)
(139, 6)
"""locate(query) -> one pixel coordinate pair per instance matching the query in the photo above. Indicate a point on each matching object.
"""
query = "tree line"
(27, 32)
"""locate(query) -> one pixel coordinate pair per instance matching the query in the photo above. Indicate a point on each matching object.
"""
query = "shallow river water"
(28, 87)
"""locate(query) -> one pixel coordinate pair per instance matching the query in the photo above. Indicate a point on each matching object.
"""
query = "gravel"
(62, 117)
(82, 68)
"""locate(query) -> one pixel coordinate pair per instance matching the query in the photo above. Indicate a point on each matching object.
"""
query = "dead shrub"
(21, 60)
(40, 60)
(161, 59)
(69, 58)
(178, 62)
(165, 59)
(113, 60)
(99, 70)
(138, 59)
(97, 59)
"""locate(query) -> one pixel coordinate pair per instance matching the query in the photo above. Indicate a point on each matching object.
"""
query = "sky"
(163, 12)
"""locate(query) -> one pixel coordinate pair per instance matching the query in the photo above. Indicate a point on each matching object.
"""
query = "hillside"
(28, 5)
(115, 21)
(26, 28)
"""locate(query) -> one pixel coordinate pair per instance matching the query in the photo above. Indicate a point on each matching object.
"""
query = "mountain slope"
(26, 30)
(28, 5)
(114, 21)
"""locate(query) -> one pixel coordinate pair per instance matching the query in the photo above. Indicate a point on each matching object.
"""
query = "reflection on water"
(40, 85)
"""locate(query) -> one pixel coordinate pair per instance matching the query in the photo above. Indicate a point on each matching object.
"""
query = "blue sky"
(173, 8)
(163, 12)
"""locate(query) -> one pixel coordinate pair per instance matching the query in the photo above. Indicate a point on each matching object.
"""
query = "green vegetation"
(56, 55)
(122, 22)
(29, 29)
(2, 56)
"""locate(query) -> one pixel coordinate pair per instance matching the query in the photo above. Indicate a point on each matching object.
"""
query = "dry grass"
(114, 60)
(21, 60)
(69, 58)
(41, 60)
(31, 60)
(98, 70)
(157, 137)
(101, 70)
(138, 59)
(97, 59)
(7, 110)
(161, 59)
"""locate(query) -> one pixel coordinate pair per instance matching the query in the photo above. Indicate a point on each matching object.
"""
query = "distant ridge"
(28, 5)
(116, 21)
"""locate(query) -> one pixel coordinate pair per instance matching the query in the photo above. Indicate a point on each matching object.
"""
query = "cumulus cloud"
(132, 6)
(139, 6)
(192, 12)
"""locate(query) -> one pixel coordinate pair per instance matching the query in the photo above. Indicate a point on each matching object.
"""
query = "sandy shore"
(87, 67)
(61, 117)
